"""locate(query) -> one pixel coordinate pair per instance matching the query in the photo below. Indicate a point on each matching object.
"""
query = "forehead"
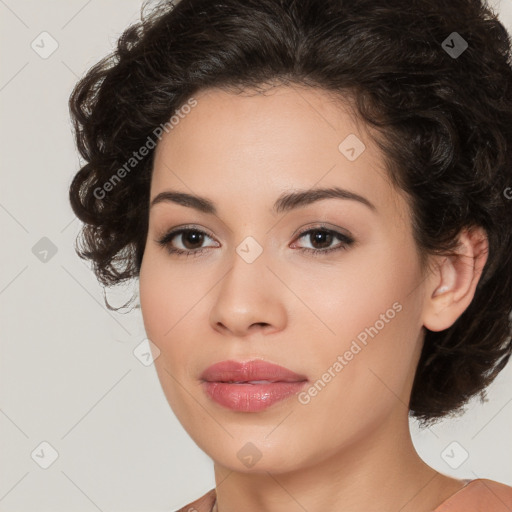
(277, 118)
(255, 144)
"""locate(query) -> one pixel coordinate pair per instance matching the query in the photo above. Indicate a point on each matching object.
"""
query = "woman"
(315, 199)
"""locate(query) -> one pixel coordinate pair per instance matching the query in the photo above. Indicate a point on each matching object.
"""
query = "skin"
(350, 447)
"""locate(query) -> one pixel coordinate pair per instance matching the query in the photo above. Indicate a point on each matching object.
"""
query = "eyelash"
(346, 241)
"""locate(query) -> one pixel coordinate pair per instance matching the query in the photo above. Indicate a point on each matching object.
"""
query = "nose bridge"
(245, 296)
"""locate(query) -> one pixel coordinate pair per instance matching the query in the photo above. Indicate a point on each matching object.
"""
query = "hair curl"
(444, 125)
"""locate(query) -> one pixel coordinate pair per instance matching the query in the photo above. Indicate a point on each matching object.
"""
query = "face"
(327, 287)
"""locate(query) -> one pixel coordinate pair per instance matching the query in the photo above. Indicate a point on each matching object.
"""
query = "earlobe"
(451, 287)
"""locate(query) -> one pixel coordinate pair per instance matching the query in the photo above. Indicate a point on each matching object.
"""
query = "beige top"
(479, 495)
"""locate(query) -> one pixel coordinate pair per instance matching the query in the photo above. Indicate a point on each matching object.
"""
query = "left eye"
(325, 237)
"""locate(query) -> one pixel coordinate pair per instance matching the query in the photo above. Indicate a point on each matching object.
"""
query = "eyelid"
(187, 227)
(325, 226)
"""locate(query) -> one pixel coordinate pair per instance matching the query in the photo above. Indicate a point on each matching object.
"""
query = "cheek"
(167, 295)
(352, 294)
(361, 374)
(161, 308)
(164, 306)
(174, 314)
(369, 313)
(153, 299)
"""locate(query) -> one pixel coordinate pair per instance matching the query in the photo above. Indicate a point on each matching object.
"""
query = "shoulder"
(480, 495)
(202, 504)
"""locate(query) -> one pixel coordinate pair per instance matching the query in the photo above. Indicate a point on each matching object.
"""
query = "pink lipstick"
(250, 386)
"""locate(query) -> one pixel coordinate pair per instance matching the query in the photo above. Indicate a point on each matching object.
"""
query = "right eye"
(191, 240)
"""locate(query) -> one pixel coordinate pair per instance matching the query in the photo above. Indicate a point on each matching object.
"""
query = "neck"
(380, 471)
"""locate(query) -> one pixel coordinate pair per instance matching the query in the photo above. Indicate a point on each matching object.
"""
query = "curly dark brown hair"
(432, 78)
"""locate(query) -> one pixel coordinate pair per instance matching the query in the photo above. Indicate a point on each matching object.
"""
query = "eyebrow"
(285, 202)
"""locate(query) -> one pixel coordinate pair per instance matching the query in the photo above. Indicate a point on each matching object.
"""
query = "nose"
(249, 299)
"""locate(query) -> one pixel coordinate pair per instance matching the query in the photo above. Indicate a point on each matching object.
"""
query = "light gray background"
(68, 373)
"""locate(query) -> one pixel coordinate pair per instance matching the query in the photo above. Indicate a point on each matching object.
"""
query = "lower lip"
(251, 397)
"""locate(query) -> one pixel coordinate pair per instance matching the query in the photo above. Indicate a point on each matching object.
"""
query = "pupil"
(319, 235)
(193, 237)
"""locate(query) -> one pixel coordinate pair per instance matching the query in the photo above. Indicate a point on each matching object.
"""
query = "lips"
(250, 386)
(255, 371)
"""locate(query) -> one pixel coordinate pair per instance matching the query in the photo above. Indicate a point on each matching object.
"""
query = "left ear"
(451, 287)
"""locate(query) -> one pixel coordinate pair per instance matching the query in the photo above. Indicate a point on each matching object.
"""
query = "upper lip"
(245, 371)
